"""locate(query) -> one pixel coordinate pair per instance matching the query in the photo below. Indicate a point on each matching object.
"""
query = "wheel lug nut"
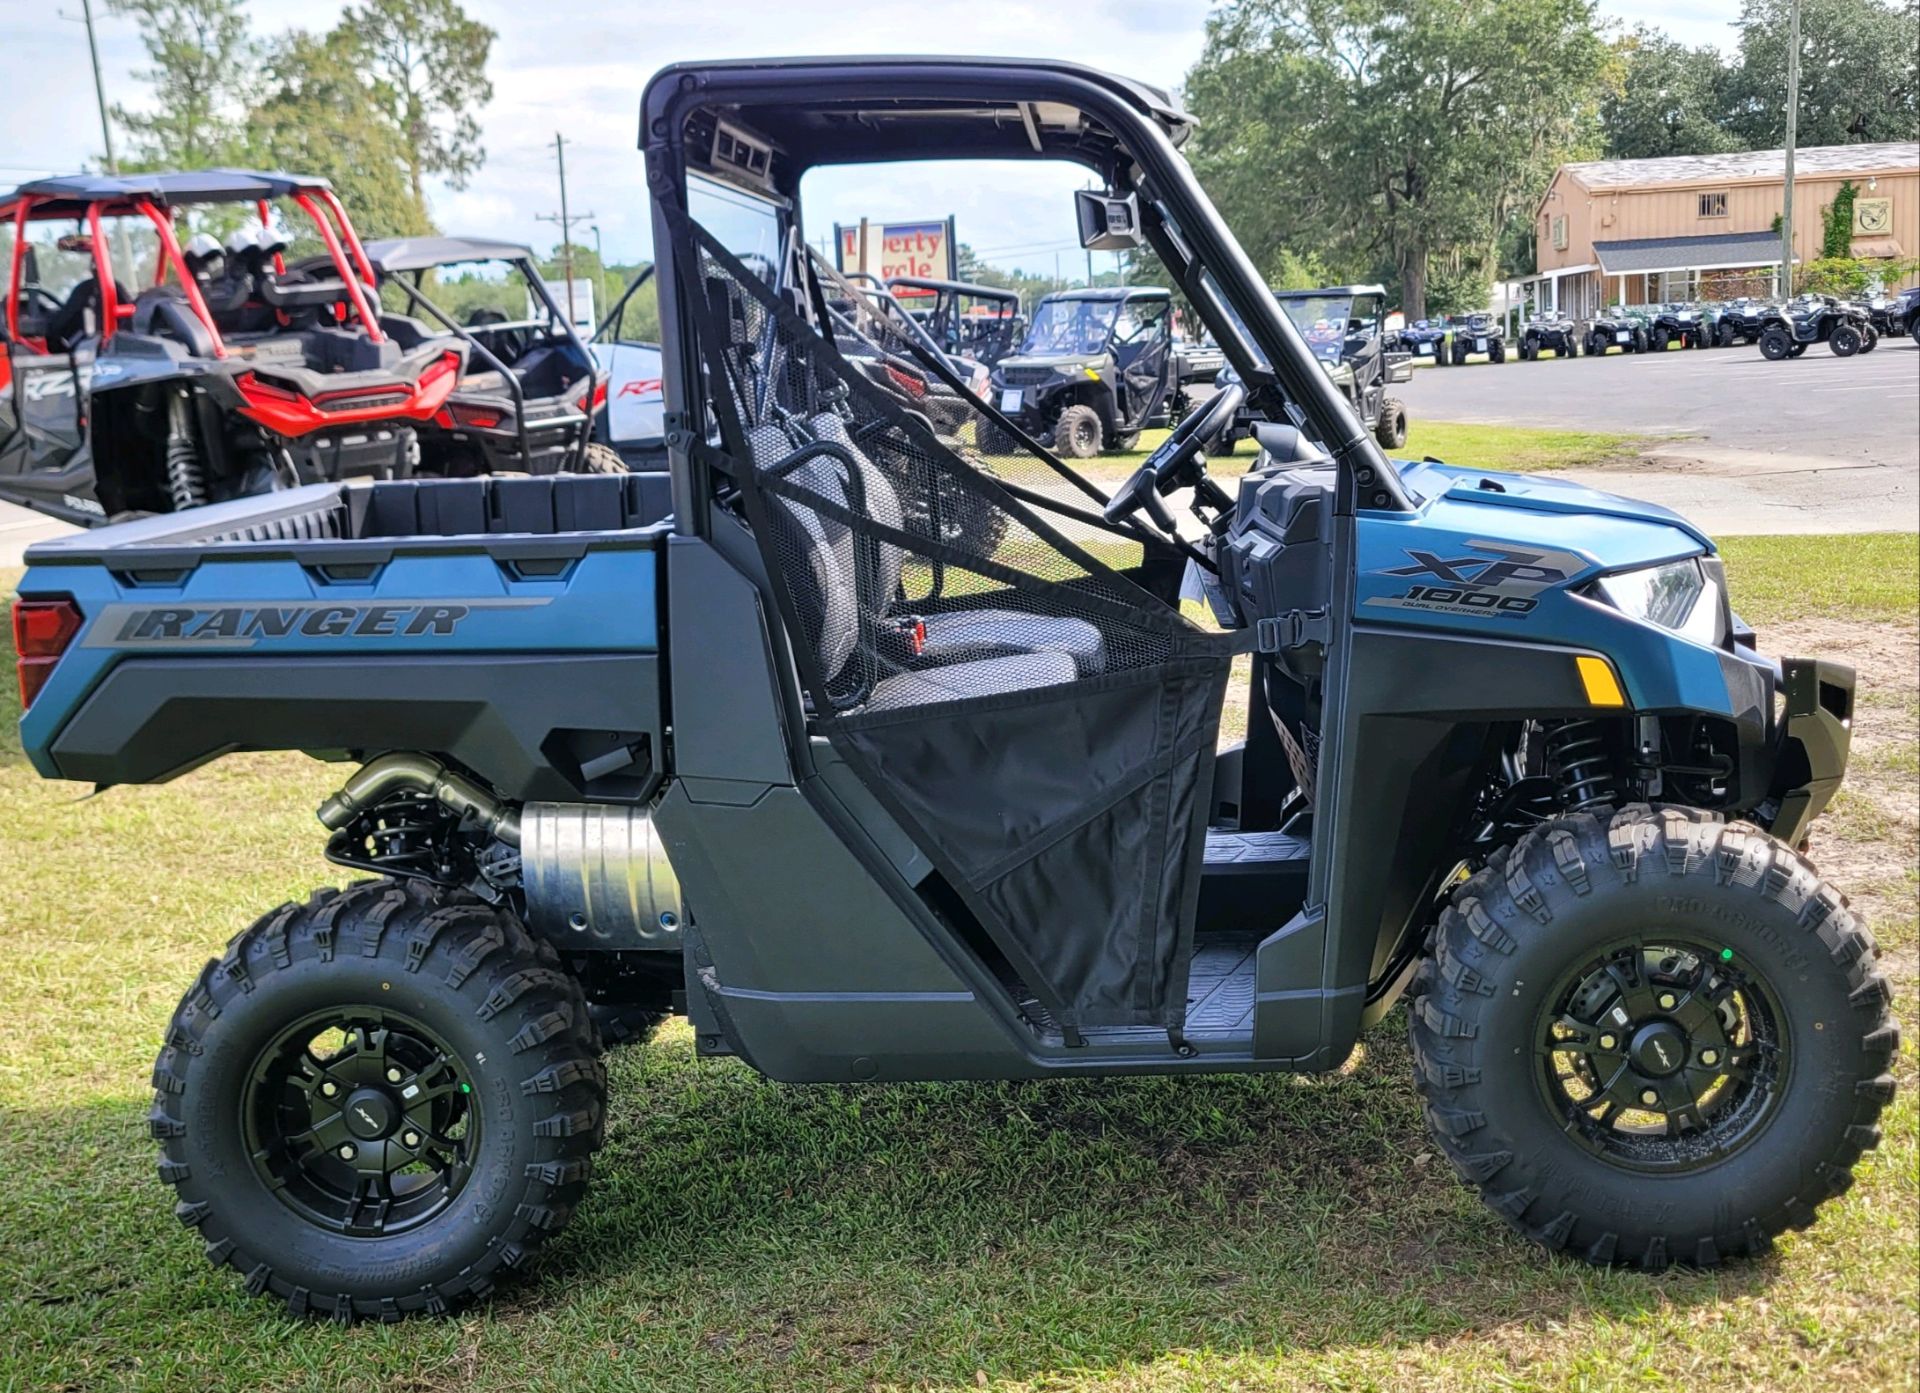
(394, 1075)
(1709, 1056)
(347, 1152)
(1667, 1001)
(329, 1089)
(1649, 1097)
(1607, 1042)
(410, 1138)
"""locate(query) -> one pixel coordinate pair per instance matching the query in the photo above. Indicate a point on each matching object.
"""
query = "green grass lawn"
(1471, 446)
(1256, 1233)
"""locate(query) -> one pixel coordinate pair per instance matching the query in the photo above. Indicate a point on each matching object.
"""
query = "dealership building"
(1704, 227)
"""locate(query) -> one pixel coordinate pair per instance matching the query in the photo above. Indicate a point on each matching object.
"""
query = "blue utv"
(870, 797)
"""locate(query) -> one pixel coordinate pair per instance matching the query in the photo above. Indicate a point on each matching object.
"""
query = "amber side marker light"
(42, 630)
(1597, 676)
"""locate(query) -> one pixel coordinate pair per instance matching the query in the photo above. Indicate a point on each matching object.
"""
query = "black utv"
(872, 802)
(1345, 329)
(979, 322)
(1619, 328)
(1549, 333)
(1811, 319)
(1095, 369)
(1479, 334)
(1678, 323)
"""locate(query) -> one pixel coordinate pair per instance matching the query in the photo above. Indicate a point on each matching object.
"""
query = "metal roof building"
(1689, 227)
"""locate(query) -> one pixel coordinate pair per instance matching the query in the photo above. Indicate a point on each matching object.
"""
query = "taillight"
(591, 401)
(42, 629)
(458, 416)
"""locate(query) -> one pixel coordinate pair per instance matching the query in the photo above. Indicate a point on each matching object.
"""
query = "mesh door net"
(1043, 727)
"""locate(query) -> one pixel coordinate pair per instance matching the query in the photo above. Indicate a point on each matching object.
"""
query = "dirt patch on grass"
(1868, 842)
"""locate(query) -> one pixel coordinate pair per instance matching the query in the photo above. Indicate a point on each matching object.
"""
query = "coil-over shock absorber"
(1580, 761)
(186, 479)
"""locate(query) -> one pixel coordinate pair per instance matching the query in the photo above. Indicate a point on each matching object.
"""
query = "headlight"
(1678, 595)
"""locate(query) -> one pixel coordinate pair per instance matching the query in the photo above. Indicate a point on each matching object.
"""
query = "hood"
(1464, 493)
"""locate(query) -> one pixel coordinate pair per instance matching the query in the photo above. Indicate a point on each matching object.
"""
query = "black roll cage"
(794, 102)
(416, 295)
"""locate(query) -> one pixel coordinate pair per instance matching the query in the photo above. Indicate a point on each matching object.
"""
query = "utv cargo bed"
(512, 624)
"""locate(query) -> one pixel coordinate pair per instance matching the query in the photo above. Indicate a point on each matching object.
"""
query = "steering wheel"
(1166, 464)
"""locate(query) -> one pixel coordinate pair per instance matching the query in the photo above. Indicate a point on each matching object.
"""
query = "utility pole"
(99, 87)
(1793, 122)
(566, 221)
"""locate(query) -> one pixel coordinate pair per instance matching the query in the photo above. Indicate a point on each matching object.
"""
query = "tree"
(1670, 100)
(1859, 73)
(428, 63)
(1362, 128)
(201, 55)
(313, 117)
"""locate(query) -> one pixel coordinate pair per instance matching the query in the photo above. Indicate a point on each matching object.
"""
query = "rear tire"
(1497, 354)
(1391, 429)
(429, 1015)
(1078, 433)
(603, 459)
(1707, 940)
(1661, 338)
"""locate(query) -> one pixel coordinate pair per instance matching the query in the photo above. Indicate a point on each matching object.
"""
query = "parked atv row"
(150, 369)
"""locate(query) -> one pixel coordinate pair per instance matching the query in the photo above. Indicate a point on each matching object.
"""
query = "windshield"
(1322, 321)
(1070, 326)
(60, 253)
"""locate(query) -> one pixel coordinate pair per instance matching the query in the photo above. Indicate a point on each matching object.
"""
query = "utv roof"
(69, 194)
(1113, 292)
(393, 254)
(842, 110)
(978, 292)
(1347, 290)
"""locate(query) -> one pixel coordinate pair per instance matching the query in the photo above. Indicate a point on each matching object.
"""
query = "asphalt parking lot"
(1741, 445)
(1812, 444)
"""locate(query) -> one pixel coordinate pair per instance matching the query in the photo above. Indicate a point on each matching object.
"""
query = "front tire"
(1775, 345)
(1653, 1038)
(1845, 341)
(1078, 433)
(379, 1102)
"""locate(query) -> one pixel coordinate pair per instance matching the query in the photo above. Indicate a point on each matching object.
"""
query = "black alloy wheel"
(361, 1121)
(1662, 1055)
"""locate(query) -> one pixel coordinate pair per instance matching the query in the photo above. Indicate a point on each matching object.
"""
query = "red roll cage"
(314, 198)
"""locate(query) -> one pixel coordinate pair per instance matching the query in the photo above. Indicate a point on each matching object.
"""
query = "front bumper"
(1811, 744)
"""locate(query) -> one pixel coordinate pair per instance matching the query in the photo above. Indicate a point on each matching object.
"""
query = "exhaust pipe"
(380, 779)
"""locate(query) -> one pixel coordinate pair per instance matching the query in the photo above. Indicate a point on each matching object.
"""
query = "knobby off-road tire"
(1845, 341)
(1391, 429)
(1078, 433)
(1565, 895)
(1775, 346)
(444, 1022)
(603, 459)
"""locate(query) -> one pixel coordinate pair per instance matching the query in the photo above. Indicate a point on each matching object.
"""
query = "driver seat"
(968, 653)
(960, 635)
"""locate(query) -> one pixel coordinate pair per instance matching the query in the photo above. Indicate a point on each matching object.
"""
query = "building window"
(1713, 205)
(1560, 233)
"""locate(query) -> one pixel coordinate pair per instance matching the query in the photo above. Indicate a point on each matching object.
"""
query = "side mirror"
(1108, 223)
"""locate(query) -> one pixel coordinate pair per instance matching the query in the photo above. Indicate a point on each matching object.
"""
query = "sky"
(578, 66)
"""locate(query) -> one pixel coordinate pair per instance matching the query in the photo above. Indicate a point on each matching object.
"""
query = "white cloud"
(578, 66)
